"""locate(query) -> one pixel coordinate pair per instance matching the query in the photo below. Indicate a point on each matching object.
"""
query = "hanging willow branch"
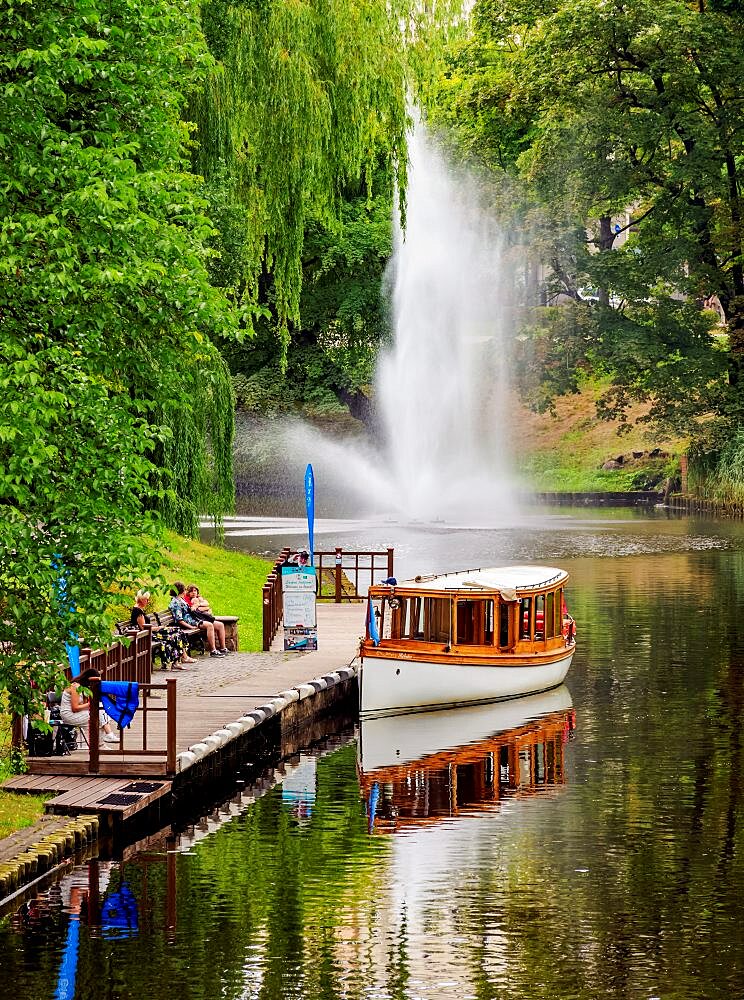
(307, 98)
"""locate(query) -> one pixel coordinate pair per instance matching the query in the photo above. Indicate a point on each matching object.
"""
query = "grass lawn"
(565, 451)
(17, 811)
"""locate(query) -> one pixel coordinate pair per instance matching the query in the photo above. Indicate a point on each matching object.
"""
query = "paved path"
(217, 691)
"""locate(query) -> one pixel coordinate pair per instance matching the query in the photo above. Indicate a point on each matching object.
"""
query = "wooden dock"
(217, 700)
(121, 797)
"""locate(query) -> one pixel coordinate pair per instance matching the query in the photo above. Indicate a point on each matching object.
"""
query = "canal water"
(584, 846)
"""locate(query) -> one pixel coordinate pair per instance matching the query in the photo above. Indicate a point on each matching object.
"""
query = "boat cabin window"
(504, 615)
(540, 617)
(424, 618)
(559, 611)
(549, 616)
(475, 622)
(525, 618)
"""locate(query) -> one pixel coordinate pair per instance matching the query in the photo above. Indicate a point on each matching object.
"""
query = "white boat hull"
(397, 685)
(388, 741)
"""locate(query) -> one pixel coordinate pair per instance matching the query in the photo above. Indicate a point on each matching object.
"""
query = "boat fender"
(569, 631)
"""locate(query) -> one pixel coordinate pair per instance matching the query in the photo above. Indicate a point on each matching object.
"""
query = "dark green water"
(623, 878)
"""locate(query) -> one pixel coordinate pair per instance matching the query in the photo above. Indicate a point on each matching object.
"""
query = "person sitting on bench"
(172, 643)
(187, 622)
(74, 709)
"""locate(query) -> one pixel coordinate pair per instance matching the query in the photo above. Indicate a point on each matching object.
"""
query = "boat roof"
(497, 578)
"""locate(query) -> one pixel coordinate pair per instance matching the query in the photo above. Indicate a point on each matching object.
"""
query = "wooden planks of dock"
(121, 797)
(210, 695)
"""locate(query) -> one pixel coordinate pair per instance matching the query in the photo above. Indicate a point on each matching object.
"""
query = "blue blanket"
(120, 700)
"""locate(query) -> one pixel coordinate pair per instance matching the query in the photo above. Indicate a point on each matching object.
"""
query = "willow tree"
(110, 386)
(307, 100)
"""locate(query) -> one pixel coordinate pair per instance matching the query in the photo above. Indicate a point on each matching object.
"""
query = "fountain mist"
(441, 450)
(443, 387)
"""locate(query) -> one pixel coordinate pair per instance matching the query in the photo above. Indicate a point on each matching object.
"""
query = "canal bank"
(243, 708)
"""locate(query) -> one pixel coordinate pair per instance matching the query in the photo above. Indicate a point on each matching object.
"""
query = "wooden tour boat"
(462, 638)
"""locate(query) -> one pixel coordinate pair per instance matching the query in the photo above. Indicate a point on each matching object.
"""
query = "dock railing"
(122, 661)
(163, 748)
(272, 599)
(128, 659)
(346, 576)
(342, 576)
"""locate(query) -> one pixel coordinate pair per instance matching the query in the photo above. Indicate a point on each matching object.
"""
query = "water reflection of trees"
(626, 885)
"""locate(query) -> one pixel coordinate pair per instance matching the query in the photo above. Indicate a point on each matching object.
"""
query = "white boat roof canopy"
(504, 579)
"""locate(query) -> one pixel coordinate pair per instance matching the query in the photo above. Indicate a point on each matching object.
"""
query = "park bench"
(163, 619)
(196, 640)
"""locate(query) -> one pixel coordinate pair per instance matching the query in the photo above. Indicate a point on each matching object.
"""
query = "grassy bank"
(565, 451)
(19, 811)
(16, 811)
(230, 581)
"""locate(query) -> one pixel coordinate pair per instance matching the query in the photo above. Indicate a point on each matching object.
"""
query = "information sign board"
(298, 596)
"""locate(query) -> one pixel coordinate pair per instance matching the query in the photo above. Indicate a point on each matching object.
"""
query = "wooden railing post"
(390, 568)
(339, 559)
(94, 728)
(271, 595)
(171, 907)
(267, 616)
(94, 893)
(170, 704)
(16, 731)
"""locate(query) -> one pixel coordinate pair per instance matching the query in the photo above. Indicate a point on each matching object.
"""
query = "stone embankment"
(36, 851)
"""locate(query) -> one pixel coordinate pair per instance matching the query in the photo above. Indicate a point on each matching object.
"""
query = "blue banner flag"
(310, 506)
(65, 607)
(373, 631)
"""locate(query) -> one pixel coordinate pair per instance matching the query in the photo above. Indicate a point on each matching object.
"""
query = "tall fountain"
(442, 388)
(441, 448)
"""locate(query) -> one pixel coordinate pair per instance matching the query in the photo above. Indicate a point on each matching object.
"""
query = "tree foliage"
(333, 353)
(604, 111)
(113, 401)
(307, 103)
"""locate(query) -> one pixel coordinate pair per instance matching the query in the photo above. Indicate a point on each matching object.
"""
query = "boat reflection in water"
(418, 768)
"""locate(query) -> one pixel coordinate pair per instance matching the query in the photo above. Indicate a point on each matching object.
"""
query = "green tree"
(331, 360)
(605, 109)
(113, 401)
(307, 103)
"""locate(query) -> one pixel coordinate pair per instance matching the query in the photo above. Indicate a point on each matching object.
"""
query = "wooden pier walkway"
(211, 695)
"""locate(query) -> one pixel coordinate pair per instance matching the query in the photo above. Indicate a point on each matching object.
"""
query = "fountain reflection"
(416, 770)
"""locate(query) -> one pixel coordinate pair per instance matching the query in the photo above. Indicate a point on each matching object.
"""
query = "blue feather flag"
(310, 507)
